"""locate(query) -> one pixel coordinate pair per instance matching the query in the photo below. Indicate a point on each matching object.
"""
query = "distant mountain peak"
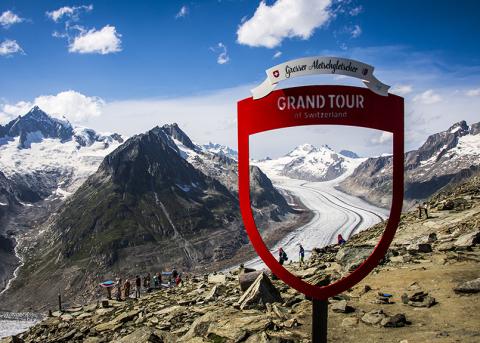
(175, 132)
(460, 126)
(303, 149)
(348, 153)
(36, 113)
(222, 150)
(36, 125)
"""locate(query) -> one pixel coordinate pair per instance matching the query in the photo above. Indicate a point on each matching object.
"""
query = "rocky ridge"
(450, 156)
(423, 290)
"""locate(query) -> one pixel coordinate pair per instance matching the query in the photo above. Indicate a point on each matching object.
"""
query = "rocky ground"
(425, 290)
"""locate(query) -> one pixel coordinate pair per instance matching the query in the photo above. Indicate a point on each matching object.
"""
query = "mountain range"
(446, 157)
(149, 203)
(85, 205)
(310, 163)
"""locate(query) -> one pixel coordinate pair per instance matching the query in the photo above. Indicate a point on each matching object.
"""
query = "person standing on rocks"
(425, 208)
(146, 282)
(119, 289)
(126, 289)
(420, 209)
(159, 278)
(174, 274)
(301, 252)
(341, 240)
(138, 284)
(178, 280)
(282, 256)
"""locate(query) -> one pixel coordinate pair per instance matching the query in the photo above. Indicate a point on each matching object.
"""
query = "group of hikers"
(283, 257)
(137, 285)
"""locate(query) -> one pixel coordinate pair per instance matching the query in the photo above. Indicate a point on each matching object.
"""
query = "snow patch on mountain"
(51, 157)
(221, 150)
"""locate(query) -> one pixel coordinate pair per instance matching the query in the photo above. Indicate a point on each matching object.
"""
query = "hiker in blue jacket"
(301, 253)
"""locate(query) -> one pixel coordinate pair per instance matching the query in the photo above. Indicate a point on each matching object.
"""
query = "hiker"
(109, 293)
(146, 281)
(138, 284)
(420, 208)
(302, 253)
(155, 281)
(174, 273)
(126, 288)
(159, 278)
(341, 240)
(282, 256)
(119, 289)
(425, 208)
(178, 280)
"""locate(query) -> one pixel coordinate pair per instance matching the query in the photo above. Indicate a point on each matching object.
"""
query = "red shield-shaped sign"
(321, 105)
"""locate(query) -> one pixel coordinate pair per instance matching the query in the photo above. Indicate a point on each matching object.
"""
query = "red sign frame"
(384, 113)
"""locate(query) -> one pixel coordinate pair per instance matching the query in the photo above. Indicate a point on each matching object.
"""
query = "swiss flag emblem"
(276, 73)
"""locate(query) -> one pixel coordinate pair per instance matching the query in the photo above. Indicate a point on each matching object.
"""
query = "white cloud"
(356, 31)
(68, 12)
(383, 138)
(356, 11)
(8, 18)
(270, 25)
(9, 47)
(75, 106)
(223, 57)
(277, 54)
(402, 89)
(182, 13)
(428, 97)
(473, 92)
(104, 41)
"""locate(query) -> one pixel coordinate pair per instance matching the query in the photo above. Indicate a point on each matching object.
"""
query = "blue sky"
(127, 66)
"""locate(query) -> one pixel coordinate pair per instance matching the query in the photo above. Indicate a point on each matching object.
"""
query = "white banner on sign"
(319, 65)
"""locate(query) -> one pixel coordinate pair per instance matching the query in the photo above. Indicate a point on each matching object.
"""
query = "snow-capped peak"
(50, 153)
(303, 150)
(308, 162)
(39, 115)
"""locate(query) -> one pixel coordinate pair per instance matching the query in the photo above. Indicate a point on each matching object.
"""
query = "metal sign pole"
(319, 321)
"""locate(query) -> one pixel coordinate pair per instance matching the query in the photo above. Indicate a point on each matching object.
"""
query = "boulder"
(432, 237)
(419, 248)
(68, 336)
(468, 240)
(126, 316)
(374, 317)
(419, 299)
(350, 322)
(395, 321)
(246, 280)
(11, 339)
(472, 286)
(428, 301)
(200, 326)
(319, 280)
(445, 246)
(108, 326)
(217, 278)
(215, 292)
(237, 329)
(351, 257)
(261, 292)
(342, 307)
(148, 335)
